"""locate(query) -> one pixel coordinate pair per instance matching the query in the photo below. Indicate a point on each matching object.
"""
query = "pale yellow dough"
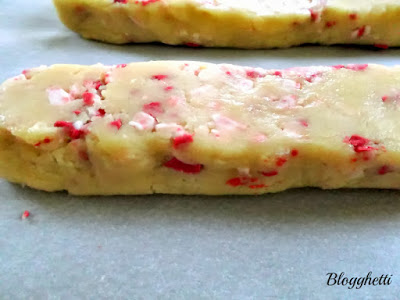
(199, 128)
(235, 23)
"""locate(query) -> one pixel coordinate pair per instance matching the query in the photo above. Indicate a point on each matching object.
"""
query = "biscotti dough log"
(198, 128)
(235, 23)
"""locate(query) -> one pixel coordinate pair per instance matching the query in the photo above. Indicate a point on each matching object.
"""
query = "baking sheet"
(179, 247)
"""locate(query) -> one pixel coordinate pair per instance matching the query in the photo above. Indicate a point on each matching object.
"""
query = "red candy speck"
(234, 181)
(381, 46)
(77, 112)
(193, 45)
(228, 73)
(314, 15)
(359, 143)
(159, 77)
(180, 166)
(257, 186)
(121, 66)
(253, 74)
(277, 73)
(72, 132)
(182, 140)
(117, 123)
(330, 24)
(353, 16)
(270, 174)
(384, 170)
(168, 88)
(153, 108)
(97, 84)
(280, 161)
(121, 1)
(101, 112)
(384, 98)
(44, 141)
(25, 214)
(304, 123)
(294, 152)
(88, 98)
(83, 155)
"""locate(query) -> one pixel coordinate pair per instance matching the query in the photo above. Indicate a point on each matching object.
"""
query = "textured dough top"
(217, 104)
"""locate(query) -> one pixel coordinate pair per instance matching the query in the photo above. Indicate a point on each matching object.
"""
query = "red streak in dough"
(381, 46)
(180, 166)
(159, 77)
(182, 140)
(46, 140)
(257, 186)
(193, 45)
(270, 174)
(314, 15)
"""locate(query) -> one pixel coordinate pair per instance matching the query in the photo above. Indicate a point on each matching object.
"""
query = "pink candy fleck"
(181, 140)
(180, 166)
(159, 77)
(117, 123)
(88, 98)
(153, 108)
